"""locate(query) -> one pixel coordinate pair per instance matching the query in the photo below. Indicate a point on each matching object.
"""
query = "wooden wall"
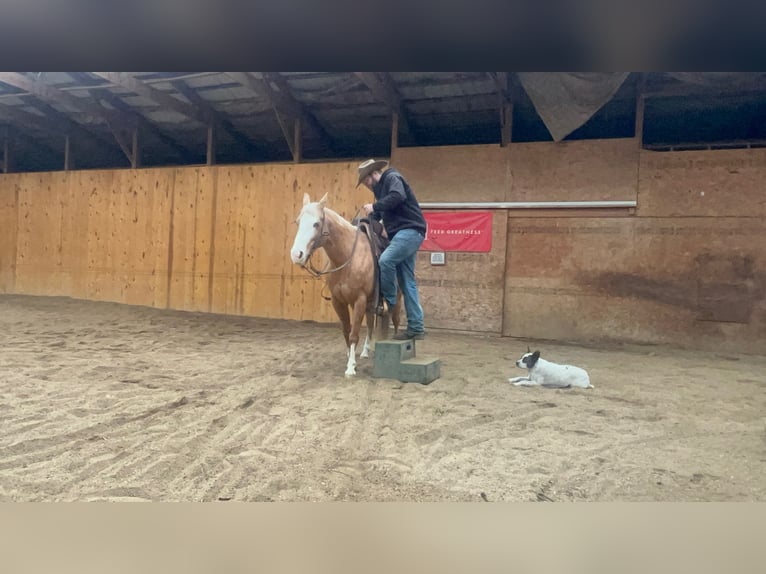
(212, 239)
(687, 267)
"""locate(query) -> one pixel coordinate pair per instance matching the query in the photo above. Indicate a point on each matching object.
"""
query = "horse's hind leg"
(370, 337)
(341, 309)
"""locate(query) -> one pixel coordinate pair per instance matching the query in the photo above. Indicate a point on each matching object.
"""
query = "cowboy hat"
(369, 166)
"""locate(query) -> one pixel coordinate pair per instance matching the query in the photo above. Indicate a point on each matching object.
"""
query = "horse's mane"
(339, 218)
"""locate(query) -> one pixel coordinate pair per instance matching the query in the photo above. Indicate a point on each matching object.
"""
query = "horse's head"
(310, 227)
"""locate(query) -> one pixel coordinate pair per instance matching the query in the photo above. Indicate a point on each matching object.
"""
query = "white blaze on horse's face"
(309, 229)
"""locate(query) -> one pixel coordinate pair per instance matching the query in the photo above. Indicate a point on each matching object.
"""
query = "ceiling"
(341, 115)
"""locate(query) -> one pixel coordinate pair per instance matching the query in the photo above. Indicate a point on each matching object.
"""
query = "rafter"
(125, 80)
(284, 104)
(51, 94)
(27, 139)
(505, 105)
(501, 83)
(142, 123)
(383, 88)
(691, 90)
(192, 95)
(118, 121)
(55, 122)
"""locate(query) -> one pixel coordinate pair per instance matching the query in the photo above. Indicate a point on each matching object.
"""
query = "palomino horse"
(351, 276)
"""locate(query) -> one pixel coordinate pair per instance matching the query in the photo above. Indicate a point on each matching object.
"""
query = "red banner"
(458, 231)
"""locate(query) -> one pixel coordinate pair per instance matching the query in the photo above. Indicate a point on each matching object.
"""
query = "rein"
(309, 267)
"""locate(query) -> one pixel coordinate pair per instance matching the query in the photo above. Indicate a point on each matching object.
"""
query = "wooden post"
(297, 141)
(135, 159)
(506, 112)
(640, 100)
(394, 131)
(67, 153)
(6, 160)
(211, 133)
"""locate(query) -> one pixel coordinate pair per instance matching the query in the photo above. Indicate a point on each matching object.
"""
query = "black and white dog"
(546, 374)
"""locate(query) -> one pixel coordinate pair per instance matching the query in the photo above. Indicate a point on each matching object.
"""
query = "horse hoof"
(350, 373)
(364, 355)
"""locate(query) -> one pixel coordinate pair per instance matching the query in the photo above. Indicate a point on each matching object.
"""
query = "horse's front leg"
(357, 312)
(341, 309)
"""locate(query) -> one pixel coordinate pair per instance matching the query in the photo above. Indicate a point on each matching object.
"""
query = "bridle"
(309, 266)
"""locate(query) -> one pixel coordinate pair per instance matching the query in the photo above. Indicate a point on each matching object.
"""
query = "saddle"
(376, 235)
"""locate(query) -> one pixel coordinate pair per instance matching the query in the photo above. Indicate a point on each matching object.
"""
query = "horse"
(351, 278)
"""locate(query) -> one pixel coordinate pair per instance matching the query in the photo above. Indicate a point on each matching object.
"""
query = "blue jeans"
(398, 263)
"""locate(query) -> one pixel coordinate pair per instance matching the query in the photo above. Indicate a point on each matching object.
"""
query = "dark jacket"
(396, 204)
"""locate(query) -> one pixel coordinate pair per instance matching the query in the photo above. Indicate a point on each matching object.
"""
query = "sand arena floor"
(100, 401)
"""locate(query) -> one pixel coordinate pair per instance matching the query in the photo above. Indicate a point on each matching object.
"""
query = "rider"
(397, 206)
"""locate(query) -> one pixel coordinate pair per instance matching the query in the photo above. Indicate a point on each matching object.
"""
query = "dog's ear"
(533, 359)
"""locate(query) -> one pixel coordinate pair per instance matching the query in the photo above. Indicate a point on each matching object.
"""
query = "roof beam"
(383, 88)
(691, 90)
(55, 122)
(118, 121)
(141, 122)
(306, 118)
(283, 103)
(51, 94)
(125, 80)
(9, 138)
(501, 83)
(191, 94)
(114, 120)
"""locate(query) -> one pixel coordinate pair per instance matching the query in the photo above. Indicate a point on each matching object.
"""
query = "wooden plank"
(142, 261)
(211, 267)
(225, 237)
(9, 226)
(38, 265)
(183, 239)
(273, 198)
(28, 188)
(74, 236)
(678, 280)
(203, 238)
(447, 173)
(115, 243)
(134, 239)
(162, 187)
(702, 183)
(573, 170)
(99, 240)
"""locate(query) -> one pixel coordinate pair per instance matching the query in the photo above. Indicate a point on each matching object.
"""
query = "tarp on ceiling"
(566, 100)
